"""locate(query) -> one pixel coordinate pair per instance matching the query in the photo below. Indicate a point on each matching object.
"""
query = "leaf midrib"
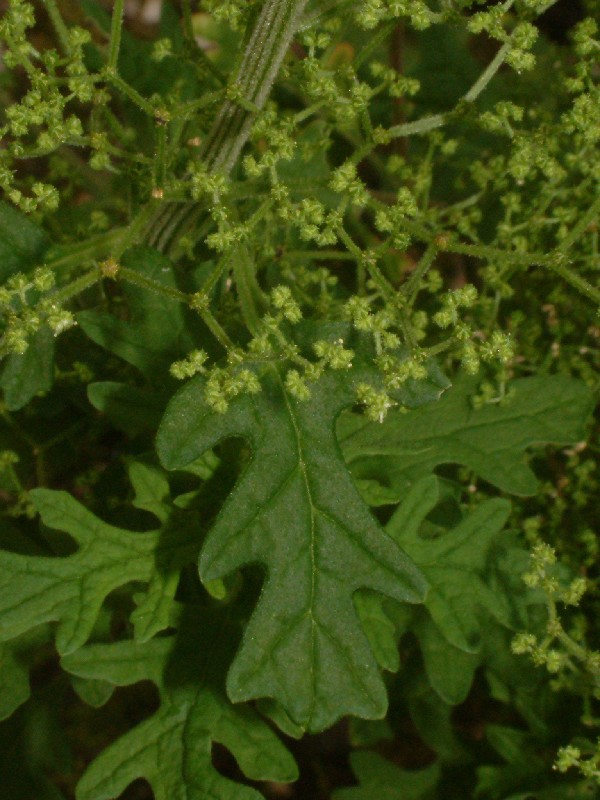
(313, 571)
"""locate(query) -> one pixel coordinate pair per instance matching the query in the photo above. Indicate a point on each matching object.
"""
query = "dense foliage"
(300, 353)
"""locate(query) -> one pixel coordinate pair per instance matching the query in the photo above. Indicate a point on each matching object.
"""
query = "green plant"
(364, 236)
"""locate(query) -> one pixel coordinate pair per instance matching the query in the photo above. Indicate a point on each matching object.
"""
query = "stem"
(77, 286)
(19, 56)
(487, 75)
(311, 19)
(397, 63)
(320, 255)
(134, 231)
(272, 35)
(58, 23)
(413, 284)
(131, 276)
(188, 28)
(385, 287)
(244, 275)
(267, 45)
(217, 331)
(160, 161)
(130, 92)
(95, 247)
(579, 283)
(587, 219)
(116, 27)
(438, 120)
(423, 125)
(374, 42)
(137, 279)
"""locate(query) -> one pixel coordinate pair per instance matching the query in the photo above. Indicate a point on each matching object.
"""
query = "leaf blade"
(492, 440)
(295, 511)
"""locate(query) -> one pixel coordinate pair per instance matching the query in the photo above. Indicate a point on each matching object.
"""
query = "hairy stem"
(267, 45)
(115, 34)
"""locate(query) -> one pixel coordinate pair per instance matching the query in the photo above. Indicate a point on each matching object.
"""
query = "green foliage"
(71, 590)
(172, 748)
(379, 778)
(364, 235)
(332, 546)
(489, 439)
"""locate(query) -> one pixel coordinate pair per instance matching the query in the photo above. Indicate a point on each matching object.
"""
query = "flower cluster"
(24, 311)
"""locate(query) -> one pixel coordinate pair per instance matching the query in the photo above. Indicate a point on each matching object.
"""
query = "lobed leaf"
(22, 242)
(70, 590)
(454, 563)
(492, 441)
(296, 512)
(172, 749)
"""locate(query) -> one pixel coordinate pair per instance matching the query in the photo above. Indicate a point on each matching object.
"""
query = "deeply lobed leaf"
(492, 440)
(172, 749)
(296, 512)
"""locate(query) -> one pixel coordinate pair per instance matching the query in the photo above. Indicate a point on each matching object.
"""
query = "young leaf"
(433, 719)
(491, 440)
(380, 629)
(177, 546)
(34, 749)
(523, 768)
(27, 374)
(71, 590)
(383, 780)
(295, 511)
(172, 749)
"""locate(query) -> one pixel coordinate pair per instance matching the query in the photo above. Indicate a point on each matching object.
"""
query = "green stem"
(93, 248)
(413, 284)
(587, 219)
(77, 286)
(423, 125)
(188, 28)
(216, 329)
(130, 92)
(137, 279)
(19, 56)
(488, 73)
(160, 160)
(116, 27)
(385, 287)
(311, 19)
(267, 45)
(244, 275)
(59, 26)
(579, 283)
(135, 231)
(320, 255)
(374, 42)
